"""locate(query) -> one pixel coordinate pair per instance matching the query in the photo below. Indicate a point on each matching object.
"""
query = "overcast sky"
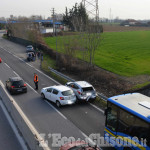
(124, 9)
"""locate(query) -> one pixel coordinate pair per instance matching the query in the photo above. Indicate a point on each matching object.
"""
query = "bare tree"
(92, 40)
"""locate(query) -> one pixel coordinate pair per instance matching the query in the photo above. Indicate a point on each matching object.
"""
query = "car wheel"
(43, 96)
(11, 92)
(58, 104)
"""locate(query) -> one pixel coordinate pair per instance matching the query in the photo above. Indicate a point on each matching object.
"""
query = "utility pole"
(55, 31)
(53, 15)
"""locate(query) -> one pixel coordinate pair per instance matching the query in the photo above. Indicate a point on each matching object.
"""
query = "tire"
(58, 104)
(43, 96)
(11, 92)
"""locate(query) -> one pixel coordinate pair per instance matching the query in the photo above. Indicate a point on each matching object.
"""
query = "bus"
(127, 124)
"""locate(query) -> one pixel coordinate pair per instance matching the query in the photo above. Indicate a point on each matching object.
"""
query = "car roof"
(83, 83)
(61, 88)
(29, 46)
(15, 78)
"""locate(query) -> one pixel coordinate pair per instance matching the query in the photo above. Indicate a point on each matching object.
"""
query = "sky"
(123, 9)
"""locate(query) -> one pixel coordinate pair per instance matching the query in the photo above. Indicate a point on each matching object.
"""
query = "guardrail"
(32, 138)
(102, 96)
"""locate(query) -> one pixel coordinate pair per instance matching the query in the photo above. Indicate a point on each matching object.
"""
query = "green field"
(124, 53)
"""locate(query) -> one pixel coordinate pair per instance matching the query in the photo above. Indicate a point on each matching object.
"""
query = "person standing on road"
(36, 81)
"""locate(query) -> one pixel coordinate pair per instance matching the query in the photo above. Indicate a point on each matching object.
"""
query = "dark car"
(16, 85)
(0, 60)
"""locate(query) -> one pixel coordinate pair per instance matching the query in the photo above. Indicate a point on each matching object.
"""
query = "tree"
(77, 17)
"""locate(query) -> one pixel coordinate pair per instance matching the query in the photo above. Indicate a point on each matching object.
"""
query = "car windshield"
(67, 93)
(29, 46)
(17, 83)
(87, 89)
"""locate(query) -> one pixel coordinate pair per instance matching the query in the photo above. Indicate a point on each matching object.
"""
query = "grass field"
(123, 53)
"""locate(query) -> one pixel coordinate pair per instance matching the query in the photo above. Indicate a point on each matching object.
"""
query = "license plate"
(19, 90)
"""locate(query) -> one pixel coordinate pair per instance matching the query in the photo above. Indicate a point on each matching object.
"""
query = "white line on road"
(20, 139)
(56, 110)
(25, 118)
(16, 73)
(32, 88)
(29, 65)
(97, 108)
(86, 137)
(47, 76)
(6, 65)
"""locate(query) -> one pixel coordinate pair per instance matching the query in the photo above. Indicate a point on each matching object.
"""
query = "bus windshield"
(119, 120)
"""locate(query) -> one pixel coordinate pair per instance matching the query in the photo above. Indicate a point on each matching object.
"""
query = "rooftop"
(83, 84)
(136, 102)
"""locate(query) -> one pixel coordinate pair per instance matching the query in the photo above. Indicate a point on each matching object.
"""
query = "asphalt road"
(76, 120)
(8, 139)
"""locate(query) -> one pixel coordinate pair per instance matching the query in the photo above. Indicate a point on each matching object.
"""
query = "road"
(76, 120)
(8, 139)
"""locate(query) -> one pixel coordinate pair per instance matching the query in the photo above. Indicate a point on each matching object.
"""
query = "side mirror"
(105, 111)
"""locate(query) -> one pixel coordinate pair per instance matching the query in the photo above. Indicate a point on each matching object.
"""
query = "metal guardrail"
(61, 74)
(102, 96)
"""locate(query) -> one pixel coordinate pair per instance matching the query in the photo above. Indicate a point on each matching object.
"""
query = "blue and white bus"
(128, 121)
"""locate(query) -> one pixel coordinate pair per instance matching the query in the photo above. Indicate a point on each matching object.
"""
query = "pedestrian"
(41, 56)
(38, 54)
(33, 56)
(36, 81)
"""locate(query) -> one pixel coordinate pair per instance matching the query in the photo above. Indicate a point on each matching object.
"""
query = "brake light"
(61, 98)
(79, 92)
(25, 85)
(12, 87)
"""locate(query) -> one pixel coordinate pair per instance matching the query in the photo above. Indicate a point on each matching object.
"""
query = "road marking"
(29, 65)
(6, 65)
(56, 110)
(25, 118)
(16, 73)
(47, 76)
(97, 108)
(90, 140)
(12, 124)
(32, 88)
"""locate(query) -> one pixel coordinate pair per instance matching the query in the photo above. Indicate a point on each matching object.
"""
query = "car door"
(54, 95)
(48, 93)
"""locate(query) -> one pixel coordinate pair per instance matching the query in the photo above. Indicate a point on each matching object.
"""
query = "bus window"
(111, 117)
(133, 126)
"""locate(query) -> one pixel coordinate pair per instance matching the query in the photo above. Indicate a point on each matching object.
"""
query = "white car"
(83, 90)
(29, 48)
(59, 94)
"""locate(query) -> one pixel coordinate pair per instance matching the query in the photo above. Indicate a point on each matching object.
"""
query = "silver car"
(83, 90)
